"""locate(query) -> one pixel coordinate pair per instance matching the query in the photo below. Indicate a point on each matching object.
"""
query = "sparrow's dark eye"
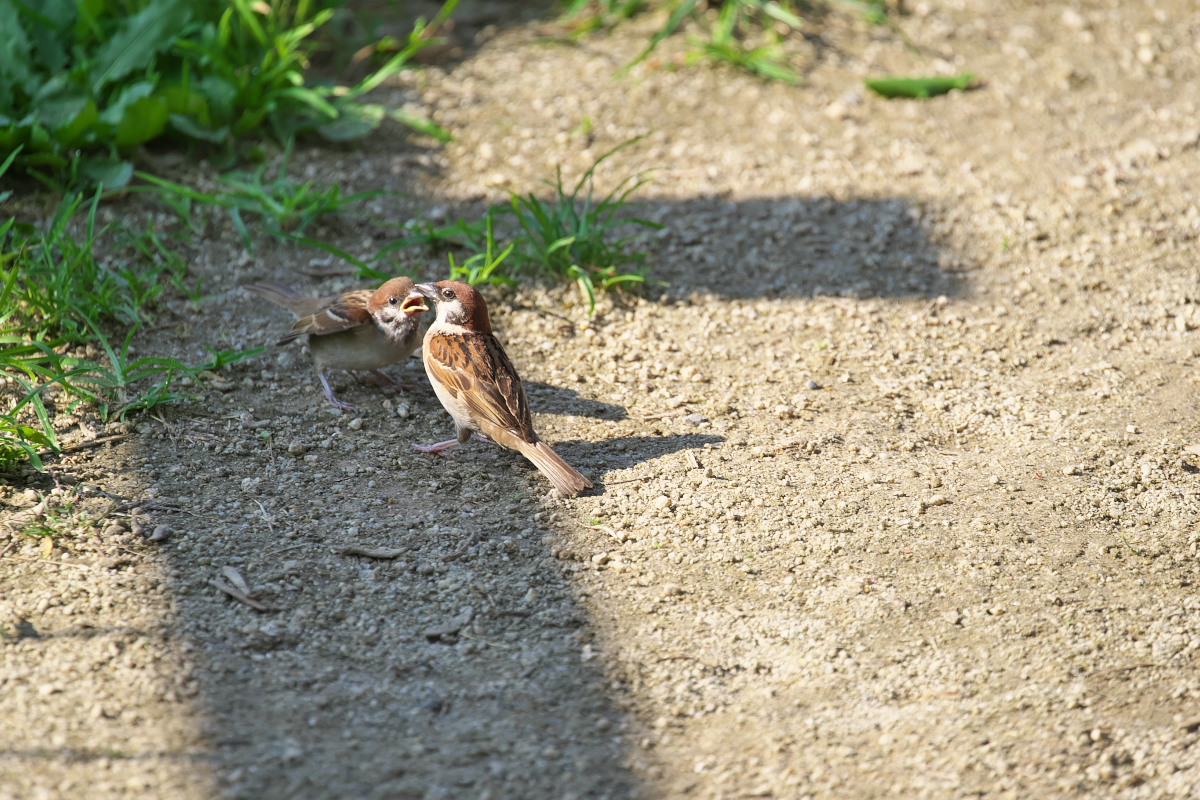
(393, 300)
(448, 293)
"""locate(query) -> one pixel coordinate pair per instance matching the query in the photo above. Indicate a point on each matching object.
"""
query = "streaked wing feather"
(345, 312)
(475, 368)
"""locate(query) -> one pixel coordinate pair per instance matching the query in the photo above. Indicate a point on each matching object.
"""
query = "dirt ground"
(898, 477)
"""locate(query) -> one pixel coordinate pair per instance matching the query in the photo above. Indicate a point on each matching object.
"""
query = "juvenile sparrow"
(477, 383)
(364, 329)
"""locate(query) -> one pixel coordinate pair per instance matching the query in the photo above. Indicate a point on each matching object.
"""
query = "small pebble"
(160, 533)
(355, 424)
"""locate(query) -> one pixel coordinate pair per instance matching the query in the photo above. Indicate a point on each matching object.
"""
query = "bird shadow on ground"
(624, 452)
(550, 399)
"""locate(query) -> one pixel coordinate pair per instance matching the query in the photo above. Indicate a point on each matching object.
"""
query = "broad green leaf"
(107, 171)
(144, 119)
(118, 106)
(221, 96)
(15, 51)
(59, 111)
(80, 129)
(193, 129)
(183, 100)
(355, 122)
(51, 44)
(153, 29)
(919, 88)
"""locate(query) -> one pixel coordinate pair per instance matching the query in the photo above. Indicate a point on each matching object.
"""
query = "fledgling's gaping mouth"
(414, 304)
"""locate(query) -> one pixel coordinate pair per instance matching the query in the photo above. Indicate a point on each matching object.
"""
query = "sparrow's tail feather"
(299, 304)
(568, 481)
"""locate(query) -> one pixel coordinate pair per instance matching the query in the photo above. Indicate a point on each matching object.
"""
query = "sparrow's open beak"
(415, 302)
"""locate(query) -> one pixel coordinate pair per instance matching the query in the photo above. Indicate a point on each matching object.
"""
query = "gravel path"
(898, 476)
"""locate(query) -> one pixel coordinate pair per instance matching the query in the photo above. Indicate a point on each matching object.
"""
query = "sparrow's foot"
(441, 448)
(384, 381)
(333, 398)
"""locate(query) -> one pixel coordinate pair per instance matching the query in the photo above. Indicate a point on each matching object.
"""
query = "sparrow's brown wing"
(476, 370)
(339, 314)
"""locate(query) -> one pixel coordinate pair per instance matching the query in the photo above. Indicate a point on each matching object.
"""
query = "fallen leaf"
(919, 88)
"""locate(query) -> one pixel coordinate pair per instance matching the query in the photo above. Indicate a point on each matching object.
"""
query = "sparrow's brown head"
(457, 304)
(392, 293)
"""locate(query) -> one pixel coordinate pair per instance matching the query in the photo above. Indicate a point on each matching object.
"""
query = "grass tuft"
(83, 85)
(57, 300)
(748, 34)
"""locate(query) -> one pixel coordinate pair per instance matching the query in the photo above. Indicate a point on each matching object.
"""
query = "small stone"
(160, 533)
(355, 424)
(1131, 429)
(837, 110)
(600, 558)
(1071, 469)
(812, 385)
(297, 448)
(695, 419)
(662, 501)
(1073, 19)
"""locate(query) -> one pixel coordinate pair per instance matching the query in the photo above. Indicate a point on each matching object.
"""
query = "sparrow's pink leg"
(441, 448)
(383, 379)
(331, 397)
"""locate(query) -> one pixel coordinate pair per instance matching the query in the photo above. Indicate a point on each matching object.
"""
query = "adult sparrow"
(363, 329)
(477, 384)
